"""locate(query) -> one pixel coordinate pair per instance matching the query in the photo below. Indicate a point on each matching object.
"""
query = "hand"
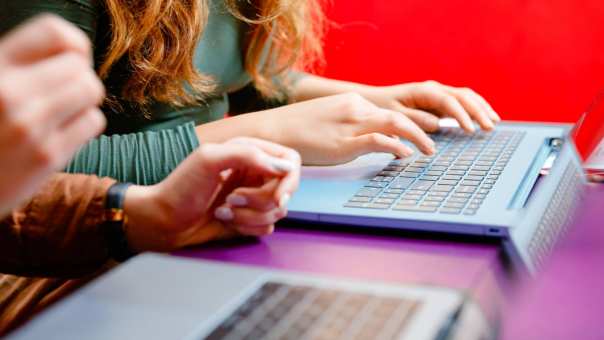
(240, 187)
(48, 98)
(328, 130)
(428, 101)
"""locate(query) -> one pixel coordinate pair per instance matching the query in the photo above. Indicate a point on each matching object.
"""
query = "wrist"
(145, 213)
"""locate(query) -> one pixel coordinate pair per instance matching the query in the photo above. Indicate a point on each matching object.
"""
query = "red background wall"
(532, 59)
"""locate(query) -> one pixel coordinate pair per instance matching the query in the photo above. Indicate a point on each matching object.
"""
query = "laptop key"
(373, 184)
(401, 183)
(468, 182)
(360, 199)
(434, 198)
(474, 178)
(414, 197)
(422, 185)
(414, 169)
(443, 188)
(461, 194)
(452, 177)
(415, 208)
(416, 192)
(433, 173)
(388, 201)
(394, 168)
(409, 174)
(430, 204)
(393, 191)
(454, 205)
(456, 172)
(368, 192)
(382, 179)
(407, 202)
(454, 211)
(377, 206)
(389, 173)
(458, 199)
(448, 182)
(429, 178)
(384, 195)
(465, 188)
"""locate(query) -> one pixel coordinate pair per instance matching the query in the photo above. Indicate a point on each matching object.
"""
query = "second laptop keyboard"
(454, 181)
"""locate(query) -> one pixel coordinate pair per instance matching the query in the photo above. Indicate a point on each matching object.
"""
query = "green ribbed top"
(137, 149)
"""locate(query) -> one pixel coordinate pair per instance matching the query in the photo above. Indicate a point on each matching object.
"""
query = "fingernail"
(284, 200)
(224, 214)
(282, 165)
(236, 200)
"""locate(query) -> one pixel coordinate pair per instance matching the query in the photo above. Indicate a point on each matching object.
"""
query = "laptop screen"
(589, 130)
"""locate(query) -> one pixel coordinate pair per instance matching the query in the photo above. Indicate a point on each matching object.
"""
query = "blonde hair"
(159, 37)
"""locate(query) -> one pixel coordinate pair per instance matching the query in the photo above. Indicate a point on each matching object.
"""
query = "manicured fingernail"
(236, 200)
(284, 200)
(282, 165)
(224, 214)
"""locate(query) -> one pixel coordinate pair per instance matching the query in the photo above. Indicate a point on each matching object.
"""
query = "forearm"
(143, 158)
(312, 86)
(59, 231)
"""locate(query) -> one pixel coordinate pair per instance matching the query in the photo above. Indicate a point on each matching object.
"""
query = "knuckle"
(21, 132)
(43, 156)
(352, 102)
(374, 138)
(92, 87)
(59, 31)
(7, 98)
(432, 83)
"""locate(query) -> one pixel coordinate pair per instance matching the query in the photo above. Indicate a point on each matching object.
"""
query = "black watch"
(115, 220)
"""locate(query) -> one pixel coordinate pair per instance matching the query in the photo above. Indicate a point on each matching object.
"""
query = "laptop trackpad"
(364, 167)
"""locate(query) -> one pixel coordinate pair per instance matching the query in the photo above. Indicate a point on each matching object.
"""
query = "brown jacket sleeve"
(58, 232)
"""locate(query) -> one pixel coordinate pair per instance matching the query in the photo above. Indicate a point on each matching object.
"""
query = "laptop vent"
(558, 214)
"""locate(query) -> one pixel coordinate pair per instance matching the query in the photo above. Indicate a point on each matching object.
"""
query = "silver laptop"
(487, 184)
(163, 297)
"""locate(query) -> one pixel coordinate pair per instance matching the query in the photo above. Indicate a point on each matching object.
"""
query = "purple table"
(458, 263)
(567, 300)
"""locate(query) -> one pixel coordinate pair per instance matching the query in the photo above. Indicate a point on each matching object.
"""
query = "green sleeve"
(143, 158)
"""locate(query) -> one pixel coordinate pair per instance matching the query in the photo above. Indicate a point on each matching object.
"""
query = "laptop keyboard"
(284, 311)
(454, 181)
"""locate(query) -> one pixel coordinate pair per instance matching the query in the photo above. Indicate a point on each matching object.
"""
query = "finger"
(65, 104)
(473, 107)
(425, 120)
(257, 231)
(245, 218)
(42, 37)
(391, 122)
(74, 134)
(290, 182)
(59, 70)
(377, 142)
(216, 158)
(492, 114)
(260, 198)
(434, 97)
